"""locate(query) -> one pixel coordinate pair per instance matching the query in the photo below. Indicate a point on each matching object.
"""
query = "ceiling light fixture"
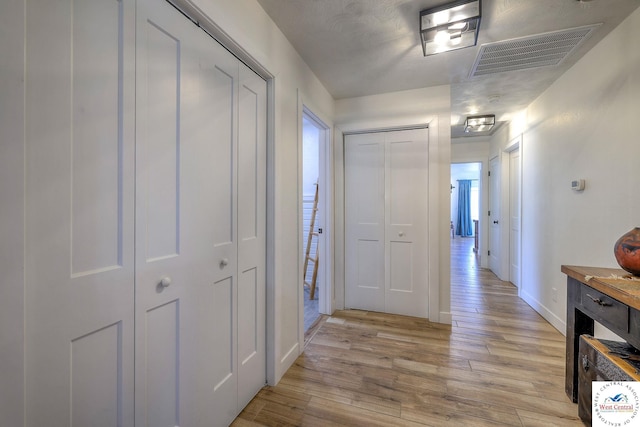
(449, 27)
(479, 123)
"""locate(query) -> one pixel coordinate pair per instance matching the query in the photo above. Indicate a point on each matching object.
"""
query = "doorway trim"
(483, 204)
(503, 198)
(326, 303)
(439, 275)
(514, 145)
(495, 205)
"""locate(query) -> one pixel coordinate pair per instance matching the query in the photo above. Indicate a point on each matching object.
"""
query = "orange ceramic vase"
(627, 251)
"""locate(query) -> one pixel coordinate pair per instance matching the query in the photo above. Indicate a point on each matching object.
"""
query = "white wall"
(11, 211)
(470, 149)
(583, 126)
(429, 106)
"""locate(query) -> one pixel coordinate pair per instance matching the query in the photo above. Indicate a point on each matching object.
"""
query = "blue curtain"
(464, 227)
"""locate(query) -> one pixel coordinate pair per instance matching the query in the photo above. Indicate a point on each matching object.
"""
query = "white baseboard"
(548, 315)
(445, 317)
(285, 363)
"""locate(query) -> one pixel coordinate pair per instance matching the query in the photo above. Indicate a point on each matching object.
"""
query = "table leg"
(578, 323)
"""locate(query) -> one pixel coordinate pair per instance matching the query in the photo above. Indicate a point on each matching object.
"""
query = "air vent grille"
(541, 50)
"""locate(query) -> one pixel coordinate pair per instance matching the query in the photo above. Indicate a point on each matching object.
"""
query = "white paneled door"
(386, 194)
(251, 220)
(200, 208)
(145, 219)
(494, 215)
(79, 294)
(514, 217)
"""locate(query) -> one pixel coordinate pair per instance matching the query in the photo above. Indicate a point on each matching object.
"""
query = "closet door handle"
(224, 262)
(165, 282)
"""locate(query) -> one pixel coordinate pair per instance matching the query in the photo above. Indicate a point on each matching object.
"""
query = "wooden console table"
(592, 294)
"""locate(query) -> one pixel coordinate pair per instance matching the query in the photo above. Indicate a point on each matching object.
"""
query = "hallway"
(499, 363)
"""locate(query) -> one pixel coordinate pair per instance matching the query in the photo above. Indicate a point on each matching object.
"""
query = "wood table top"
(614, 282)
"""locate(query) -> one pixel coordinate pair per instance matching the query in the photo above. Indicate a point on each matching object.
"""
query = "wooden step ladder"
(307, 257)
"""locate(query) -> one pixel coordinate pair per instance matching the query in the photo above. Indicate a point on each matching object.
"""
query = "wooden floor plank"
(349, 415)
(536, 419)
(498, 363)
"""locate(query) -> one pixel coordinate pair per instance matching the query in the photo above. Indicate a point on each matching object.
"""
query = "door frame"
(383, 228)
(495, 200)
(514, 145)
(504, 227)
(326, 301)
(483, 205)
(438, 264)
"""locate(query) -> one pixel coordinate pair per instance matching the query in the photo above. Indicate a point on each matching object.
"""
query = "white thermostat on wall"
(577, 184)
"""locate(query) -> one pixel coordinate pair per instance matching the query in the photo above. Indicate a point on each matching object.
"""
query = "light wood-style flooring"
(499, 363)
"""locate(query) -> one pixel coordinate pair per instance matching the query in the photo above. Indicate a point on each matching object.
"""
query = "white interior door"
(79, 294)
(173, 156)
(172, 228)
(514, 217)
(365, 221)
(200, 225)
(386, 182)
(494, 209)
(252, 214)
(406, 255)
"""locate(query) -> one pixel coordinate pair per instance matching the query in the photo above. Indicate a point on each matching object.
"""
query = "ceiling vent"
(541, 50)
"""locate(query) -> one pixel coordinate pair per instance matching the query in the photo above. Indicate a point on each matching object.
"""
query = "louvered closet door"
(79, 295)
(386, 194)
(200, 222)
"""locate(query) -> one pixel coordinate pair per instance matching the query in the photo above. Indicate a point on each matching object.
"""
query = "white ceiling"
(366, 47)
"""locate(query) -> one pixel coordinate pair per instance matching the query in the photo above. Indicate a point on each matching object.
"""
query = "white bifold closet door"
(145, 219)
(386, 199)
(200, 225)
(79, 228)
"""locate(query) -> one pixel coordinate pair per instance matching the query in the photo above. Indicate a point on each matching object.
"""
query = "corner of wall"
(444, 214)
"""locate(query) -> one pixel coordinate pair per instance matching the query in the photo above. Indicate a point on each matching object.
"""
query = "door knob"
(401, 233)
(224, 262)
(495, 222)
(165, 282)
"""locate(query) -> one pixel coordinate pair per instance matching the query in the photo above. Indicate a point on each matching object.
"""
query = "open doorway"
(465, 201)
(312, 218)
